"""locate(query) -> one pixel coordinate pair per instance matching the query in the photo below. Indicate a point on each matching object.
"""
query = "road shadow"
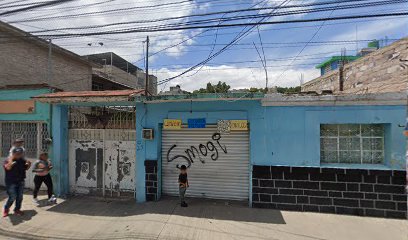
(3, 193)
(28, 215)
(198, 208)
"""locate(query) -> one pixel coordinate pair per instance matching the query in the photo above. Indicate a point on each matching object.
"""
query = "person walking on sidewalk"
(17, 143)
(183, 185)
(42, 169)
(15, 167)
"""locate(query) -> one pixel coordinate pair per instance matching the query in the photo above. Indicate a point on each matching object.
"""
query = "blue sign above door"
(196, 123)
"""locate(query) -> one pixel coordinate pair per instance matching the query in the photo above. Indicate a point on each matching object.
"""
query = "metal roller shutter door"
(224, 178)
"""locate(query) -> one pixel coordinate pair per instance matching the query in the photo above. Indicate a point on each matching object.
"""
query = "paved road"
(91, 218)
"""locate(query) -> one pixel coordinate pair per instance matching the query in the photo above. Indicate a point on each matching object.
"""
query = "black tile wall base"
(378, 193)
(151, 180)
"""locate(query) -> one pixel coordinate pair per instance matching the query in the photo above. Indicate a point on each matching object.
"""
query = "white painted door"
(219, 162)
(102, 161)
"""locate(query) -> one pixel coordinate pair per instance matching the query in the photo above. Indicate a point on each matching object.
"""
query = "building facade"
(22, 117)
(118, 70)
(334, 154)
(383, 70)
(30, 60)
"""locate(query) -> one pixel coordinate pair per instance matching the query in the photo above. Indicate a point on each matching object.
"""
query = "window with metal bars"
(352, 143)
(33, 134)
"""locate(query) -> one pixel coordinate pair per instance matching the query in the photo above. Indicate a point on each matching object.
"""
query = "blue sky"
(239, 66)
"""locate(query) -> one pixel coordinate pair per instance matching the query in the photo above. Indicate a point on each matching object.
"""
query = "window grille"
(33, 134)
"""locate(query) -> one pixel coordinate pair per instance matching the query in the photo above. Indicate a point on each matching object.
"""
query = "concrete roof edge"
(392, 98)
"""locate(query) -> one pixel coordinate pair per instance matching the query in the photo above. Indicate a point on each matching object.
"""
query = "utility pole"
(147, 66)
(49, 67)
(341, 69)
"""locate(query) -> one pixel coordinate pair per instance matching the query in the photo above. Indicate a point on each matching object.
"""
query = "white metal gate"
(219, 166)
(102, 161)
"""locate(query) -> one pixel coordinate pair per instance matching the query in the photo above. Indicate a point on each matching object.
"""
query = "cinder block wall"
(379, 193)
(380, 71)
(151, 180)
(23, 62)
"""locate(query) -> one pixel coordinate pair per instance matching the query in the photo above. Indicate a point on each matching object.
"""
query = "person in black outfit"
(15, 166)
(183, 185)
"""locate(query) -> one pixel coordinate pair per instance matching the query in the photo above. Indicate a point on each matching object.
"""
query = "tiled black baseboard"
(379, 193)
(151, 180)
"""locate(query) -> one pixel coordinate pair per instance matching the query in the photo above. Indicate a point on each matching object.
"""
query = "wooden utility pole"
(147, 66)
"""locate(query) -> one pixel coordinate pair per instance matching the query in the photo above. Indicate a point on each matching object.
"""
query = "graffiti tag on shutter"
(210, 148)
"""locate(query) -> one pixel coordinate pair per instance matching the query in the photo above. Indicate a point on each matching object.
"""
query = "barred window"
(33, 134)
(352, 143)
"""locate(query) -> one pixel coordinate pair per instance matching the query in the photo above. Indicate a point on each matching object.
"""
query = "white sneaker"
(36, 202)
(52, 199)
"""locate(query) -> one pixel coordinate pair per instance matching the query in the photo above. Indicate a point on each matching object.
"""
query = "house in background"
(373, 70)
(175, 90)
(116, 69)
(334, 63)
(28, 60)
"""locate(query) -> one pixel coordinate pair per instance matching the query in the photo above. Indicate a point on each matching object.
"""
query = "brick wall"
(151, 180)
(23, 62)
(379, 193)
(380, 71)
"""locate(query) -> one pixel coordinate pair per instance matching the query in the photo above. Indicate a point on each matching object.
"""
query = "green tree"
(220, 87)
(289, 89)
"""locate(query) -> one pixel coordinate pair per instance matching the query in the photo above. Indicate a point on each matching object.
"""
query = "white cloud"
(236, 77)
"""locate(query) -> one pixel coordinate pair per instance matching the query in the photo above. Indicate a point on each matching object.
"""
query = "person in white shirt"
(42, 169)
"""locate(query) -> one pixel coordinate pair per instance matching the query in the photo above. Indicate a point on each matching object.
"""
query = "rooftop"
(110, 58)
(336, 58)
(116, 97)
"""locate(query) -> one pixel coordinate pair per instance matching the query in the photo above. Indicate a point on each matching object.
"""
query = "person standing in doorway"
(42, 169)
(18, 143)
(183, 185)
(15, 167)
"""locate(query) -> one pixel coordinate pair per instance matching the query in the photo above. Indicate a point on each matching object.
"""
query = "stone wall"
(380, 71)
(379, 193)
(151, 180)
(24, 62)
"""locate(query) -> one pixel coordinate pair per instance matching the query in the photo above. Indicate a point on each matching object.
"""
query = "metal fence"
(102, 118)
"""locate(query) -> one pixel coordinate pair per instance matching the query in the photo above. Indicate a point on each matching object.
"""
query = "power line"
(237, 38)
(140, 30)
(92, 14)
(186, 16)
(50, 3)
(305, 46)
(322, 19)
(244, 17)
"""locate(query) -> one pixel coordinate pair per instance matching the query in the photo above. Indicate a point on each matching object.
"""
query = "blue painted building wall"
(287, 136)
(57, 122)
(41, 111)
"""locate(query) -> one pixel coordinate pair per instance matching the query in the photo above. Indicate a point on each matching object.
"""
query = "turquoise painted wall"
(41, 112)
(60, 172)
(295, 133)
(152, 115)
(287, 136)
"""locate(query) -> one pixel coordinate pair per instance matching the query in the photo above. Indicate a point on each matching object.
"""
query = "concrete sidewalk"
(92, 218)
